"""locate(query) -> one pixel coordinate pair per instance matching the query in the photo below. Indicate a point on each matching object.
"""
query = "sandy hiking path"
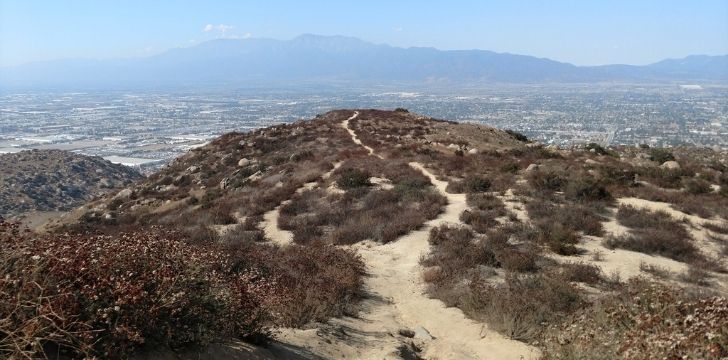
(396, 301)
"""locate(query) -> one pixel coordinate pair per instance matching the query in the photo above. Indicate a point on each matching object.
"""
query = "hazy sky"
(583, 32)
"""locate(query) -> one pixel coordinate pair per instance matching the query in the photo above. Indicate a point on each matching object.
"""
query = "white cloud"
(398, 28)
(222, 28)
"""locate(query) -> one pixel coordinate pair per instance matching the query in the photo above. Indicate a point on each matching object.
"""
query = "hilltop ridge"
(387, 234)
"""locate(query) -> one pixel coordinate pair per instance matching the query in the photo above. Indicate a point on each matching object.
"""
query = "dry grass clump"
(643, 320)
(655, 270)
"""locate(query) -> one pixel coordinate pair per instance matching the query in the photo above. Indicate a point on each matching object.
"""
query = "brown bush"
(547, 180)
(523, 305)
(580, 272)
(658, 241)
(571, 216)
(642, 320)
(516, 260)
(717, 228)
(456, 251)
(586, 189)
(697, 186)
(655, 233)
(353, 178)
(559, 238)
(319, 281)
(109, 295)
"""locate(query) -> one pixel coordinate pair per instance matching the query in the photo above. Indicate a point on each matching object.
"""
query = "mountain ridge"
(308, 57)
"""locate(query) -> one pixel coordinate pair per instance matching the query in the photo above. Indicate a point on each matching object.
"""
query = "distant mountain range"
(338, 59)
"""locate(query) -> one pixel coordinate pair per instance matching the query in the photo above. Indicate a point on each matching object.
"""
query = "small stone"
(422, 333)
(407, 333)
(532, 167)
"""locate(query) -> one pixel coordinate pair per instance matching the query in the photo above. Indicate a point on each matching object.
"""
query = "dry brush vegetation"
(530, 280)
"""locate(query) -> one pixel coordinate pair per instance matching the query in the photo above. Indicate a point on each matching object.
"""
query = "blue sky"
(583, 32)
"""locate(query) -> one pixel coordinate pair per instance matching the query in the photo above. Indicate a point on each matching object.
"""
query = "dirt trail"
(397, 301)
(270, 227)
(355, 138)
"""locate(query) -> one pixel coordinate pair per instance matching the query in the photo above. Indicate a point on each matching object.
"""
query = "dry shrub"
(521, 306)
(456, 251)
(586, 189)
(655, 233)
(480, 221)
(642, 320)
(571, 216)
(559, 238)
(580, 272)
(240, 235)
(517, 260)
(655, 270)
(695, 275)
(547, 180)
(717, 228)
(476, 184)
(319, 281)
(697, 186)
(83, 295)
(350, 178)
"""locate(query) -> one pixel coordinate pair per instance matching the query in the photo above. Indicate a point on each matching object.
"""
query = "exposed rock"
(423, 334)
(224, 183)
(192, 169)
(473, 151)
(124, 194)
(244, 162)
(407, 333)
(532, 167)
(670, 165)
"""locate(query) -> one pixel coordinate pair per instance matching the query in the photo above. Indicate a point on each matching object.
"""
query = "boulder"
(532, 167)
(123, 194)
(473, 151)
(670, 165)
(244, 162)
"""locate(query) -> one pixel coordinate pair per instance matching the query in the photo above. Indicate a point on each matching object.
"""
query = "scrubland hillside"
(384, 234)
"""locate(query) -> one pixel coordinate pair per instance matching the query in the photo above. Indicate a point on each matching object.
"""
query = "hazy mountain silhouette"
(313, 58)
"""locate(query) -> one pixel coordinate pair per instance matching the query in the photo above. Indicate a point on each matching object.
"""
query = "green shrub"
(660, 155)
(353, 178)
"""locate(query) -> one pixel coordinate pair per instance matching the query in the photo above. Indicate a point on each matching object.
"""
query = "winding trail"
(272, 230)
(397, 300)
